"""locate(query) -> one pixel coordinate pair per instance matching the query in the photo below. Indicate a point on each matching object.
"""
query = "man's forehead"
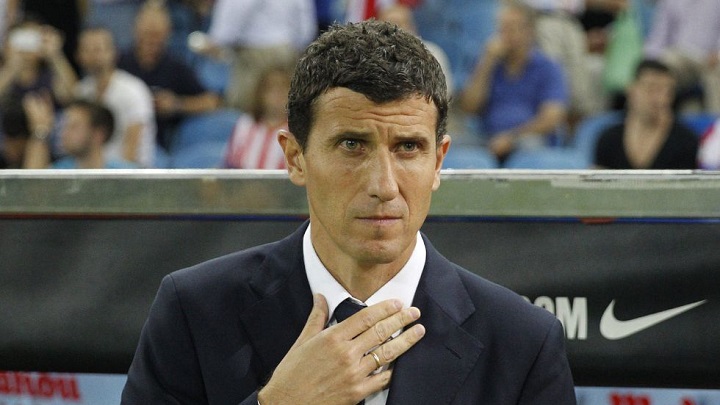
(96, 35)
(76, 113)
(343, 97)
(648, 75)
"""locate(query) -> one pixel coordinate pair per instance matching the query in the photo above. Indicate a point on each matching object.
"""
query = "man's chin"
(381, 252)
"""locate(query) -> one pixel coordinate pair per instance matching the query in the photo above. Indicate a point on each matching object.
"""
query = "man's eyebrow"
(413, 136)
(419, 137)
(362, 136)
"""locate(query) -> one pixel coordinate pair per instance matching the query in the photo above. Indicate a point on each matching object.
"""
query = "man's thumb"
(317, 319)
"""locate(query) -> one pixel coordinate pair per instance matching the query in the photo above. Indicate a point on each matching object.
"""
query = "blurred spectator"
(65, 15)
(401, 15)
(261, 34)
(15, 134)
(709, 153)
(685, 35)
(562, 37)
(116, 16)
(86, 127)
(33, 62)
(360, 10)
(518, 92)
(8, 15)
(253, 144)
(175, 86)
(650, 136)
(125, 95)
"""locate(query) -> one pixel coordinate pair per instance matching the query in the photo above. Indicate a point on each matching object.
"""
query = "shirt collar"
(402, 286)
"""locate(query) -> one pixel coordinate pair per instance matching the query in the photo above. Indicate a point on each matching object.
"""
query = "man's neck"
(650, 123)
(147, 61)
(102, 80)
(362, 282)
(516, 61)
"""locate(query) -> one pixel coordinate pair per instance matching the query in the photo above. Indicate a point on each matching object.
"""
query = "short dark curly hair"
(374, 58)
(99, 115)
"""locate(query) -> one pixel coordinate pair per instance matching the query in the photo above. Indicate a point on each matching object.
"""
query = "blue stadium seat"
(208, 155)
(213, 74)
(212, 127)
(183, 23)
(547, 159)
(162, 159)
(698, 122)
(460, 28)
(469, 157)
(589, 129)
(118, 17)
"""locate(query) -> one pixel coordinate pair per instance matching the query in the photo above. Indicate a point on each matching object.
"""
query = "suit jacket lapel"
(276, 320)
(435, 368)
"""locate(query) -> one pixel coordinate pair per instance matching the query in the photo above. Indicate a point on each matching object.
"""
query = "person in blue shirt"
(86, 127)
(519, 94)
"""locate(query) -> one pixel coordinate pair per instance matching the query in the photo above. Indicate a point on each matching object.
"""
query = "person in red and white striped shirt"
(360, 10)
(253, 144)
(709, 153)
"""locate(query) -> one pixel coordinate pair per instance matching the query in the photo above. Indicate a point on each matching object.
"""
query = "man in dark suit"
(367, 116)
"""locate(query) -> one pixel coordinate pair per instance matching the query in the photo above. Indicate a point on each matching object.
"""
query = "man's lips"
(380, 218)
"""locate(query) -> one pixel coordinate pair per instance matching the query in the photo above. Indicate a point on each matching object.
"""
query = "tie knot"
(346, 309)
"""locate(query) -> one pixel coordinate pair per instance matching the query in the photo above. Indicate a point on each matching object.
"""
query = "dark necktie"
(345, 310)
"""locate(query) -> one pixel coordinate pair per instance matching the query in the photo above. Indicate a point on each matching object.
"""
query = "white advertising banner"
(640, 396)
(21, 388)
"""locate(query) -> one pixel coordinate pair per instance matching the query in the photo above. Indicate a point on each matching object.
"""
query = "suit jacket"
(216, 332)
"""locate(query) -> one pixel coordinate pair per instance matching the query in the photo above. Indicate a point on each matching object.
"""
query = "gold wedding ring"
(376, 358)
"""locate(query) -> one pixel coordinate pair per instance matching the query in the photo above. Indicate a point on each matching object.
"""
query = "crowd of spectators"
(524, 76)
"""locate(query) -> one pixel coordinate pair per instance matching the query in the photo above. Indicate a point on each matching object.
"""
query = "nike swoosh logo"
(613, 329)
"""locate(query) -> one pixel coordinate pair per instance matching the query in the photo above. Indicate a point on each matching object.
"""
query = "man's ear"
(441, 152)
(294, 158)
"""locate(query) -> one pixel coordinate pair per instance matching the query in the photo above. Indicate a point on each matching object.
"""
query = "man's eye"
(350, 144)
(408, 146)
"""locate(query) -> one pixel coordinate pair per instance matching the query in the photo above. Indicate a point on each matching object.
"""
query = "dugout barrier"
(628, 261)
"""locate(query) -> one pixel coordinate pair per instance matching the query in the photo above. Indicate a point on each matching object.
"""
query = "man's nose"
(381, 175)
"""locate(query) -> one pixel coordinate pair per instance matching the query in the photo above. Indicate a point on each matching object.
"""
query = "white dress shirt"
(401, 287)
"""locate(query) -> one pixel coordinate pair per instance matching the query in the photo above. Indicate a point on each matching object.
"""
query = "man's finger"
(368, 317)
(377, 382)
(316, 320)
(384, 329)
(389, 351)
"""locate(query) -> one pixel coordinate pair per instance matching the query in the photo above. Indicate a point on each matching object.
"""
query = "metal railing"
(463, 193)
